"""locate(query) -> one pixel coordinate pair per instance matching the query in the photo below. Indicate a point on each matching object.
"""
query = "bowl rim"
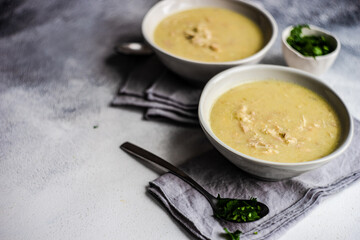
(286, 32)
(251, 58)
(205, 125)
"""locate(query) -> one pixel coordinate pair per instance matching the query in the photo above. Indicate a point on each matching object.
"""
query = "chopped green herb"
(309, 46)
(95, 126)
(233, 236)
(237, 211)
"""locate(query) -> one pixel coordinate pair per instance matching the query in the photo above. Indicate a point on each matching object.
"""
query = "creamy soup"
(276, 121)
(209, 35)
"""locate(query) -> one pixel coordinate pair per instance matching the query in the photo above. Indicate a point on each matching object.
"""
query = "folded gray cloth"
(288, 200)
(165, 95)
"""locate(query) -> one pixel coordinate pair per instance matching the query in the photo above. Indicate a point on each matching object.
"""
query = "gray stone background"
(62, 179)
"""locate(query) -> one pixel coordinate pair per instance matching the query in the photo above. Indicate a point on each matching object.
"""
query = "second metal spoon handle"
(145, 155)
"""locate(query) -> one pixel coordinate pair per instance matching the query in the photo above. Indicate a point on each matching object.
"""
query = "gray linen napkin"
(164, 94)
(288, 200)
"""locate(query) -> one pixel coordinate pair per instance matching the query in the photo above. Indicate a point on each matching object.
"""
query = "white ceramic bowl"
(197, 71)
(317, 65)
(263, 169)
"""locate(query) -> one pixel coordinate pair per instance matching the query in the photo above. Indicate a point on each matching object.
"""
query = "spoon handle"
(145, 155)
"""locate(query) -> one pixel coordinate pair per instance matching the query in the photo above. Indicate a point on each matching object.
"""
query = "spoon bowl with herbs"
(309, 48)
(228, 209)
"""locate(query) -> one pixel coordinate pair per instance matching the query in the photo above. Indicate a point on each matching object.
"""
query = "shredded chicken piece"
(243, 108)
(244, 127)
(323, 122)
(270, 131)
(201, 36)
(287, 138)
(303, 125)
(259, 142)
(278, 133)
(291, 140)
(304, 120)
(215, 47)
(271, 151)
(277, 127)
(333, 124)
(245, 119)
(189, 34)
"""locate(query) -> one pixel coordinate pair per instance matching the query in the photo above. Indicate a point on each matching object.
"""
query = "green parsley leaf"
(233, 236)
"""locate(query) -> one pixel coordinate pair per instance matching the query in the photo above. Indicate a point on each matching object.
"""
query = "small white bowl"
(317, 65)
(197, 71)
(263, 169)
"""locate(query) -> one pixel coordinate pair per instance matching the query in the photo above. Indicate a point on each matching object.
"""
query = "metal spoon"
(133, 48)
(145, 155)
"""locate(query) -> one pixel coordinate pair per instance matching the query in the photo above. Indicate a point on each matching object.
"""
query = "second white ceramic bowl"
(317, 65)
(197, 71)
(263, 169)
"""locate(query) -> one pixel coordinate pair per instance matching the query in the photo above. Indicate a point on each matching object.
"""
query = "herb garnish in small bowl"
(309, 48)
(311, 45)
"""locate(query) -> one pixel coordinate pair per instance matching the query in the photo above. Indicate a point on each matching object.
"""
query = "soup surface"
(276, 121)
(209, 35)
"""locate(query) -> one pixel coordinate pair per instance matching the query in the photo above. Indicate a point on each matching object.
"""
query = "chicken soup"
(276, 121)
(209, 35)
